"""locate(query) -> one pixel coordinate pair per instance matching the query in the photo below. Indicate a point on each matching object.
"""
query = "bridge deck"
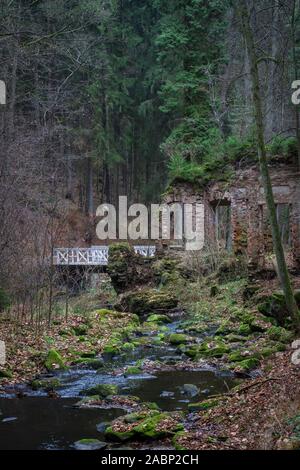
(94, 256)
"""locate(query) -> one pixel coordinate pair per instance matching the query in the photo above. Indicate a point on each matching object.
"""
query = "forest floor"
(216, 328)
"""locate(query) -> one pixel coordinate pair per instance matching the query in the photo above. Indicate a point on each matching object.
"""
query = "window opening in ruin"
(222, 211)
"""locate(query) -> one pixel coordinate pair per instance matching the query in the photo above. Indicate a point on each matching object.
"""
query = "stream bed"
(36, 421)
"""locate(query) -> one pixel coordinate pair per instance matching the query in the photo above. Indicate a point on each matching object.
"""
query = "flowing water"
(39, 422)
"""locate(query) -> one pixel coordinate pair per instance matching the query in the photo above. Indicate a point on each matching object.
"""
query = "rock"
(277, 333)
(54, 361)
(101, 427)
(148, 300)
(190, 390)
(296, 344)
(90, 444)
(95, 364)
(47, 384)
(166, 394)
(121, 266)
(9, 420)
(155, 318)
(247, 364)
(274, 305)
(102, 390)
(133, 371)
(152, 427)
(233, 338)
(88, 402)
(296, 358)
(134, 417)
(215, 349)
(115, 435)
(178, 338)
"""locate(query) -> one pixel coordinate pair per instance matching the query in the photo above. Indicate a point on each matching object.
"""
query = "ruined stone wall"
(250, 229)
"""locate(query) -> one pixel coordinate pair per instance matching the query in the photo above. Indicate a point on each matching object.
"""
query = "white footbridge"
(94, 256)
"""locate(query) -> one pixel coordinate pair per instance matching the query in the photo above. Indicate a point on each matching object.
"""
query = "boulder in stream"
(89, 444)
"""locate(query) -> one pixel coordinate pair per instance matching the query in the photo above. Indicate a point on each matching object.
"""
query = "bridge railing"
(94, 256)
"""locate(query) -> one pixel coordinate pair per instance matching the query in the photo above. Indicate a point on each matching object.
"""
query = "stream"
(36, 421)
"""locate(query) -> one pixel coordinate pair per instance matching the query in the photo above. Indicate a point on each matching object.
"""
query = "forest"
(146, 344)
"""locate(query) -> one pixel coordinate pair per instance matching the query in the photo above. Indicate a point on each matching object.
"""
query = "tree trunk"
(243, 14)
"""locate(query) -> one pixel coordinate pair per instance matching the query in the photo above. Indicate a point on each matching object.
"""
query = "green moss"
(278, 333)
(128, 347)
(213, 349)
(89, 362)
(89, 444)
(248, 364)
(234, 338)
(149, 300)
(178, 338)
(86, 402)
(102, 390)
(244, 330)
(111, 349)
(6, 374)
(47, 384)
(203, 405)
(133, 371)
(54, 361)
(235, 357)
(158, 318)
(150, 427)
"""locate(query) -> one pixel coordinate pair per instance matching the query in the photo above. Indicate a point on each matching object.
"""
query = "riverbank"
(234, 381)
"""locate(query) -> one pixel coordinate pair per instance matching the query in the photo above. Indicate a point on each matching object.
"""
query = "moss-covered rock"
(244, 329)
(122, 266)
(54, 361)
(133, 370)
(90, 363)
(101, 390)
(46, 384)
(278, 333)
(215, 349)
(178, 338)
(148, 300)
(274, 306)
(153, 428)
(89, 444)
(111, 349)
(248, 364)
(155, 318)
(88, 402)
